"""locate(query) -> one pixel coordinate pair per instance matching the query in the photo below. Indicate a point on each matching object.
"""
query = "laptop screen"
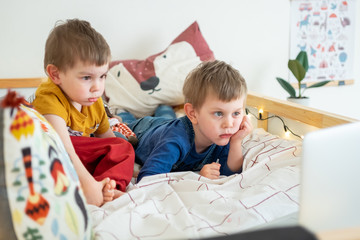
(330, 178)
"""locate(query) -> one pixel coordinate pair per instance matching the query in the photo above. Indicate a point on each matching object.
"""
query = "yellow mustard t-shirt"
(49, 99)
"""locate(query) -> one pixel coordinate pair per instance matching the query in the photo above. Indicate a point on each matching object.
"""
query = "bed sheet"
(185, 205)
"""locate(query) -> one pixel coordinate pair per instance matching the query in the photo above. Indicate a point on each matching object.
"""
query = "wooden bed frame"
(307, 115)
(21, 82)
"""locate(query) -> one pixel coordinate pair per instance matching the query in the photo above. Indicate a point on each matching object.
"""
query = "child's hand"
(244, 129)
(211, 171)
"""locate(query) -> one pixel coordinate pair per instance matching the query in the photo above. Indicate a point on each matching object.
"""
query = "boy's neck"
(77, 106)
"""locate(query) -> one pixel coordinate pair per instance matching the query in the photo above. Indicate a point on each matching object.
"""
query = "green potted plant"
(299, 67)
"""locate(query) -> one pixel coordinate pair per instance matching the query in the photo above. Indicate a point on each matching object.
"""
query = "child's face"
(84, 83)
(217, 121)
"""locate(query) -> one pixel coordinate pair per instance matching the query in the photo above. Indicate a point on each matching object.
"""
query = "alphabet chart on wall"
(325, 30)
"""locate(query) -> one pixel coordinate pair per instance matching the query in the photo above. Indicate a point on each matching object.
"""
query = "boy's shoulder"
(172, 134)
(50, 92)
(179, 128)
(157, 127)
(49, 89)
(49, 99)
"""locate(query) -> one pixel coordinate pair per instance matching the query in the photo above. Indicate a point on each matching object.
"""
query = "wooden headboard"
(21, 82)
(307, 115)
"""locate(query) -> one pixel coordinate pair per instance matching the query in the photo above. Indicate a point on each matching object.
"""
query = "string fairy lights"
(260, 117)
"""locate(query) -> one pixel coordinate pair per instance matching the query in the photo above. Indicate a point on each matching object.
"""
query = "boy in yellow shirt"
(76, 61)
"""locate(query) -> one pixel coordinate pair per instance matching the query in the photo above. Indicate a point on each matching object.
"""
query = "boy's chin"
(222, 142)
(87, 104)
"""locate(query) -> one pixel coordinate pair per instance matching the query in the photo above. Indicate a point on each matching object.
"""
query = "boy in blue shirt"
(209, 138)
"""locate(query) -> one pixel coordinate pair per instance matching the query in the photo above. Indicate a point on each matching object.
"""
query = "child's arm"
(91, 188)
(235, 157)
(109, 133)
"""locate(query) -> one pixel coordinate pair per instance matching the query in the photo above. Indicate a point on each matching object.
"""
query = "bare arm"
(109, 133)
(235, 157)
(91, 188)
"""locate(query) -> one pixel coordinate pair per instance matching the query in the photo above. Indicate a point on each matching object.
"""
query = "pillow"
(139, 86)
(40, 190)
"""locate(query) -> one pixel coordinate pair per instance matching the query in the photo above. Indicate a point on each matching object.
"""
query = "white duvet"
(185, 205)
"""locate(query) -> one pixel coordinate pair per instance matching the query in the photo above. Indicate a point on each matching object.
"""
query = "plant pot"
(303, 101)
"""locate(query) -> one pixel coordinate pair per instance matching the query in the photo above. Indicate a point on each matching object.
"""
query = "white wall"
(253, 35)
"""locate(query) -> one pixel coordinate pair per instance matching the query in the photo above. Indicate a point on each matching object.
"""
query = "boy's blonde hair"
(217, 77)
(72, 41)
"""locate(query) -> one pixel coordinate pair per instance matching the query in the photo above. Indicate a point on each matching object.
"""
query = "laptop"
(330, 178)
(329, 191)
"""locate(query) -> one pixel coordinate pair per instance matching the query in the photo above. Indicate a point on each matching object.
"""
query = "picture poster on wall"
(325, 30)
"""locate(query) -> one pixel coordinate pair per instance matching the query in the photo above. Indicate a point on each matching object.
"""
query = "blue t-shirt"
(170, 147)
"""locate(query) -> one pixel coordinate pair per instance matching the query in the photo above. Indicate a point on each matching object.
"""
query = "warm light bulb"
(261, 111)
(287, 133)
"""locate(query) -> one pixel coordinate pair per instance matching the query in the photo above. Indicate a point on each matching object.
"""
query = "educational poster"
(325, 30)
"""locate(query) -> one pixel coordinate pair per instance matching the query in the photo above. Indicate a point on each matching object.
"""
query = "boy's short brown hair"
(75, 40)
(217, 76)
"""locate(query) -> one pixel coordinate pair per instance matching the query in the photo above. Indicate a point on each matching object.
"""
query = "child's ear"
(53, 73)
(190, 112)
